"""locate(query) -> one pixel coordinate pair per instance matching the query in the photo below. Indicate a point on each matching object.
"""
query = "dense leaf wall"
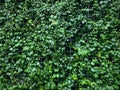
(59, 45)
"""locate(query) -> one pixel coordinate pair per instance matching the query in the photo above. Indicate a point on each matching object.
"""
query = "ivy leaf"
(103, 36)
(74, 76)
(26, 48)
(83, 52)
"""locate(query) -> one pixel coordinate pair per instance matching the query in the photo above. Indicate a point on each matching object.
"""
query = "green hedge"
(59, 45)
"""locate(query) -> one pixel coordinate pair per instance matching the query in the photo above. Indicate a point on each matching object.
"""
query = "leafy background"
(59, 45)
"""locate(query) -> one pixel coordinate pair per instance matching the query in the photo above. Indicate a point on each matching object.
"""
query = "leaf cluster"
(59, 45)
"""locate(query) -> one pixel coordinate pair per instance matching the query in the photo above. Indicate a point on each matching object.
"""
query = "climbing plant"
(59, 45)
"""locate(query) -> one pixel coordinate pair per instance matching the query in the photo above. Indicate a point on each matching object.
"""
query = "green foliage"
(59, 45)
